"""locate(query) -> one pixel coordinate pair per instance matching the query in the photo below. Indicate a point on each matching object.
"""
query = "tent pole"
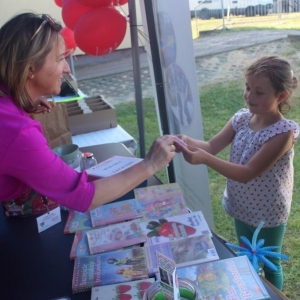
(137, 76)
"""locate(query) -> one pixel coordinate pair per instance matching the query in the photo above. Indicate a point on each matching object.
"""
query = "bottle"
(87, 161)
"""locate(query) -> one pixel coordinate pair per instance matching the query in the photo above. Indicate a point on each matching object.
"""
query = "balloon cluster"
(95, 26)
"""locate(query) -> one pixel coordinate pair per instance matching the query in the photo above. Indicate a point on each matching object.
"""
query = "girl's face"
(47, 80)
(260, 95)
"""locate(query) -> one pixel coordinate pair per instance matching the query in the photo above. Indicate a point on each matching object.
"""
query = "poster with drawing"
(168, 26)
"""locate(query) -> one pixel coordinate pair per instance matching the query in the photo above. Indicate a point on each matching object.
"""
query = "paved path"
(219, 57)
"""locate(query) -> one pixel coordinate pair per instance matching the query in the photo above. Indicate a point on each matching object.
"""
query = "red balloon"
(59, 2)
(119, 2)
(72, 11)
(69, 39)
(100, 31)
(95, 3)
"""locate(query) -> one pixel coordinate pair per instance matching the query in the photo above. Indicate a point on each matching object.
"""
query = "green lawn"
(218, 103)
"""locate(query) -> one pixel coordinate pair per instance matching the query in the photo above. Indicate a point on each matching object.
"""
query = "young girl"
(260, 170)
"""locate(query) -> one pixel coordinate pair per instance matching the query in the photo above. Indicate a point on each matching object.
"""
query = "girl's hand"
(43, 106)
(194, 156)
(161, 153)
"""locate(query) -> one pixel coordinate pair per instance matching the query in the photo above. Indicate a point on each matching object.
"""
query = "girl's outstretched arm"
(269, 153)
(219, 142)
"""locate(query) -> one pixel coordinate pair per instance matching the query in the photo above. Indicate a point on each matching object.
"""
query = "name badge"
(48, 219)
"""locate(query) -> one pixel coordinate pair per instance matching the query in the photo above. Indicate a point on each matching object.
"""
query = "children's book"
(115, 212)
(153, 192)
(175, 228)
(113, 165)
(77, 221)
(124, 291)
(80, 246)
(231, 278)
(115, 236)
(108, 268)
(161, 201)
(184, 252)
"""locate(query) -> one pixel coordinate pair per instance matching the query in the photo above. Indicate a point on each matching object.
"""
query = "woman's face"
(47, 80)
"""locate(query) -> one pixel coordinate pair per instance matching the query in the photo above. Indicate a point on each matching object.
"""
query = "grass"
(241, 23)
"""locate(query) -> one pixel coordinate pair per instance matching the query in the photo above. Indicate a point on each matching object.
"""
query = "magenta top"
(27, 161)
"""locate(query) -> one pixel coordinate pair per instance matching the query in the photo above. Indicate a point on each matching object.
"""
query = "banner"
(172, 67)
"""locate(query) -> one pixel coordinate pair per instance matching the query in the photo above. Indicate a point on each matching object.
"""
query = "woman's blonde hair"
(25, 41)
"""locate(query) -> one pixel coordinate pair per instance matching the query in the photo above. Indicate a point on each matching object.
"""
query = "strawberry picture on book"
(132, 290)
(174, 228)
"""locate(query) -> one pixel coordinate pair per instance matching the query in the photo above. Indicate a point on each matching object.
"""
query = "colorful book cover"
(231, 278)
(125, 291)
(77, 221)
(113, 165)
(183, 252)
(161, 201)
(80, 246)
(154, 192)
(115, 212)
(175, 228)
(108, 268)
(115, 236)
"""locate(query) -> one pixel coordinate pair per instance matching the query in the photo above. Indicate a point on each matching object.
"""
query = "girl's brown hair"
(280, 73)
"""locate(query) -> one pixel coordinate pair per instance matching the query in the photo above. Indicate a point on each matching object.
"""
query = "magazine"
(115, 236)
(183, 252)
(129, 290)
(108, 268)
(77, 221)
(115, 212)
(174, 228)
(231, 278)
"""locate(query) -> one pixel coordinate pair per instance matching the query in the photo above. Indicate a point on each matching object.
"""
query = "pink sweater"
(27, 161)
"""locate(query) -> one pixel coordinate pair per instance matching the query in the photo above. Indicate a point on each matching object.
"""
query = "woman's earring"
(32, 76)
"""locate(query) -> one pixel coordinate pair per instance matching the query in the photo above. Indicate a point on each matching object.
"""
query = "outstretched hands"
(161, 152)
(191, 154)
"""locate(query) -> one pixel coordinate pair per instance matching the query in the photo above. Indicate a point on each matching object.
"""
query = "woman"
(32, 64)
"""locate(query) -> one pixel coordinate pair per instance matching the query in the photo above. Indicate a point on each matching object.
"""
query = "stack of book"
(107, 240)
(186, 239)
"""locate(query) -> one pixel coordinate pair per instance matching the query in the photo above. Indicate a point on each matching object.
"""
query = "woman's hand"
(43, 106)
(161, 153)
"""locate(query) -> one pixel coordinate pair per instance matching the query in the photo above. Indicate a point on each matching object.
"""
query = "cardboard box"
(90, 114)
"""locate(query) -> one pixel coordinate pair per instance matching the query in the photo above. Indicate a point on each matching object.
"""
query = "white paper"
(47, 220)
(113, 166)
